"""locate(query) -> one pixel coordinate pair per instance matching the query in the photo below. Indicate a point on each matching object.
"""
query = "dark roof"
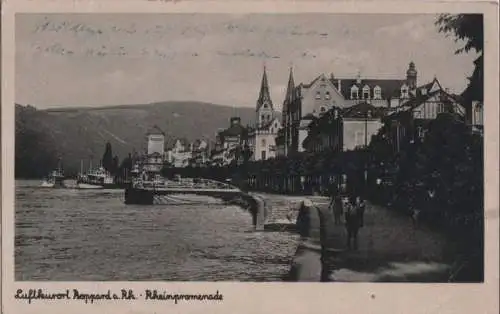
(389, 87)
(197, 143)
(155, 130)
(308, 116)
(311, 83)
(426, 87)
(361, 109)
(234, 130)
(155, 154)
(183, 141)
(264, 94)
(414, 102)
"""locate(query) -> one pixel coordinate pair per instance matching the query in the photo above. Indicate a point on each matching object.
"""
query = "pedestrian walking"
(352, 222)
(360, 203)
(337, 208)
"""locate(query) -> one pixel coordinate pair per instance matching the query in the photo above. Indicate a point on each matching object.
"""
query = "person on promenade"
(352, 221)
(336, 207)
(361, 205)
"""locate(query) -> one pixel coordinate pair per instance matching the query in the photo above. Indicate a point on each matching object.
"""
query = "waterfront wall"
(255, 205)
(306, 265)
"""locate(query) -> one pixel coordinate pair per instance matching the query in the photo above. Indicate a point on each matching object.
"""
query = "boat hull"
(59, 184)
(111, 186)
(47, 185)
(87, 186)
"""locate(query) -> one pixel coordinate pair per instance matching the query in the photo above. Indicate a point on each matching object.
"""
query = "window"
(354, 92)
(478, 115)
(318, 95)
(440, 108)
(377, 91)
(420, 132)
(359, 138)
(423, 91)
(262, 117)
(366, 92)
(263, 155)
(322, 109)
(263, 142)
(327, 96)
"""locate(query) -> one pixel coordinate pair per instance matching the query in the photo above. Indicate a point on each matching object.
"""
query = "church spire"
(264, 96)
(290, 88)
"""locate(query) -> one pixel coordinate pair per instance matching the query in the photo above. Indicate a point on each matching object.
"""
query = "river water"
(90, 235)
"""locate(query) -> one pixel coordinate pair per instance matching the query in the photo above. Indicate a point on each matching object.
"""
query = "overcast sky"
(111, 59)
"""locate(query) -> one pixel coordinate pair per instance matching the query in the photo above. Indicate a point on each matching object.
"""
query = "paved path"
(390, 249)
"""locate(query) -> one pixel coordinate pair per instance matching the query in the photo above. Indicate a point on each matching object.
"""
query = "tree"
(107, 158)
(469, 29)
(116, 165)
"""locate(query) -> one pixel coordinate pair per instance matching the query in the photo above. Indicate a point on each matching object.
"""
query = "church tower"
(287, 106)
(264, 110)
(411, 76)
(287, 103)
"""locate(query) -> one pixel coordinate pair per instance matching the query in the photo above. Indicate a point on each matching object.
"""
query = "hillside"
(81, 133)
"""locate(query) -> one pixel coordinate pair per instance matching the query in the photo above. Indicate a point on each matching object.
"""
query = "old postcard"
(248, 157)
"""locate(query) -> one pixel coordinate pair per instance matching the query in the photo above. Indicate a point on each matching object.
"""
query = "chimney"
(339, 86)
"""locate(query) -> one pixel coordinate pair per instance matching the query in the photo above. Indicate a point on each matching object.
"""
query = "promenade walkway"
(390, 248)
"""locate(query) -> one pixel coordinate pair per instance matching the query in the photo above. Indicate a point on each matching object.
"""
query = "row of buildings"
(340, 114)
(329, 113)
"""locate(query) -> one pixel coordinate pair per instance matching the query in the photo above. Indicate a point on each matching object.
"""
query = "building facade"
(155, 152)
(344, 129)
(229, 143)
(179, 154)
(409, 122)
(324, 93)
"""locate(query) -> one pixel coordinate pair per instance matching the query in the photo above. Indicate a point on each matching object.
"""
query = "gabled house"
(344, 129)
(324, 93)
(409, 122)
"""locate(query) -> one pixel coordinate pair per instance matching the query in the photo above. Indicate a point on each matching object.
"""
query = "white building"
(155, 153)
(180, 154)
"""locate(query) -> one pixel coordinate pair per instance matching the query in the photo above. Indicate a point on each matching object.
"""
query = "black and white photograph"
(249, 147)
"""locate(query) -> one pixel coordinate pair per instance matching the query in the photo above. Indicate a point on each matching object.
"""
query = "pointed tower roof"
(290, 88)
(264, 95)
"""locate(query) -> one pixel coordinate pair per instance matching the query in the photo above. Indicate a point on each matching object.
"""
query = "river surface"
(90, 235)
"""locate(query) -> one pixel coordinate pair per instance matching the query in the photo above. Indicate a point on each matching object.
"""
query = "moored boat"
(55, 179)
(96, 179)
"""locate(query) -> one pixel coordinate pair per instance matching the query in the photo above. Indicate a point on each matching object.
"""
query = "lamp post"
(367, 116)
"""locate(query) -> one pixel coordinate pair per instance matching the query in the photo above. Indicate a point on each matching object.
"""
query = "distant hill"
(81, 133)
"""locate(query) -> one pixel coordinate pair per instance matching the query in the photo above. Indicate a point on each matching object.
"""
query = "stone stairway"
(279, 212)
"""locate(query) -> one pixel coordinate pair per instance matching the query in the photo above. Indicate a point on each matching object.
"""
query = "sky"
(65, 60)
